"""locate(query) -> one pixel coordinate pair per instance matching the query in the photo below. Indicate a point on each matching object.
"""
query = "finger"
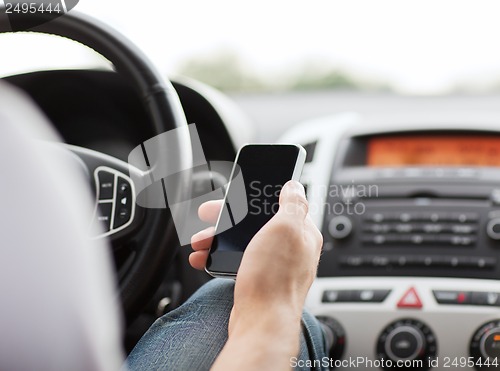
(203, 239)
(293, 200)
(198, 259)
(209, 211)
(313, 232)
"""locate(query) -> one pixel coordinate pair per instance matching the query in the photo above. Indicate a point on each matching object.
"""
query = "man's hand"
(276, 272)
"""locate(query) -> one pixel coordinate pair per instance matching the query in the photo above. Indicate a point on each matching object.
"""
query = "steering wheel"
(148, 233)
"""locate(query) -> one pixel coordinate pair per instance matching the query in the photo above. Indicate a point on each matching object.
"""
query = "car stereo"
(414, 204)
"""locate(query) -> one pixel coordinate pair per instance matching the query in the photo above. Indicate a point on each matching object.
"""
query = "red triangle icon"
(410, 300)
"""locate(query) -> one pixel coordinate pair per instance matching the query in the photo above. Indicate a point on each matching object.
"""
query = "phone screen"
(265, 169)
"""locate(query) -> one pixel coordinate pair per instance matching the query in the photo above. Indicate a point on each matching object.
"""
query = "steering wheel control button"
(340, 227)
(410, 300)
(106, 181)
(123, 188)
(408, 341)
(104, 215)
(123, 209)
(452, 297)
(485, 346)
(116, 200)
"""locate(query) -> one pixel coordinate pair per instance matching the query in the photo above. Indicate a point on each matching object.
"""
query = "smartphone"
(262, 169)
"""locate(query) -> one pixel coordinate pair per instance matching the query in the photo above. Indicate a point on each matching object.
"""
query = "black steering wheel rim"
(165, 111)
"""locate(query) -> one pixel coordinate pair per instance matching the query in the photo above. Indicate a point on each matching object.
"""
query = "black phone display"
(264, 168)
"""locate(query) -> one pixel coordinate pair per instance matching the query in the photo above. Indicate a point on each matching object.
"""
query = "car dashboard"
(409, 207)
(408, 204)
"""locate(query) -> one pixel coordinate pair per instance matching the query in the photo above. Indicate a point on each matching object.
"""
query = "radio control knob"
(493, 229)
(340, 227)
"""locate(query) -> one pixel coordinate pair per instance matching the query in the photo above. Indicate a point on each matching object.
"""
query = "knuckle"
(287, 227)
(297, 205)
(302, 202)
(289, 230)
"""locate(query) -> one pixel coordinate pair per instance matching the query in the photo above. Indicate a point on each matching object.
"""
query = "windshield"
(410, 47)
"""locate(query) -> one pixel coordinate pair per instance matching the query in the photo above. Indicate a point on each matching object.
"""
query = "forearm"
(265, 341)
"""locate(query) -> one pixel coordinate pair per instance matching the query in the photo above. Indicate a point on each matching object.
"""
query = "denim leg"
(192, 336)
(312, 345)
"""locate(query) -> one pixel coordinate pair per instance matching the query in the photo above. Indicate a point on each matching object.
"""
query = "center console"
(409, 208)
(389, 212)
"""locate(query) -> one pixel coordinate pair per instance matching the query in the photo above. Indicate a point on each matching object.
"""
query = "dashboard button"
(464, 217)
(406, 217)
(353, 261)
(434, 217)
(410, 300)
(375, 218)
(379, 261)
(370, 296)
(463, 228)
(403, 228)
(452, 297)
(106, 185)
(432, 228)
(456, 240)
(337, 296)
(486, 298)
(377, 228)
(354, 296)
(487, 263)
(495, 196)
(478, 262)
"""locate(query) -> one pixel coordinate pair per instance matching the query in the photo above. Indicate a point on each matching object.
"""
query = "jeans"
(192, 336)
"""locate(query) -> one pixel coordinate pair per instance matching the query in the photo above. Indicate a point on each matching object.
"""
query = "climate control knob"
(485, 346)
(407, 344)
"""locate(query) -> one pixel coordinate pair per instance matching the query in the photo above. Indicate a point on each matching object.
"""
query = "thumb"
(293, 200)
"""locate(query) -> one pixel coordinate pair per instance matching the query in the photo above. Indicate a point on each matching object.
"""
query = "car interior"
(407, 197)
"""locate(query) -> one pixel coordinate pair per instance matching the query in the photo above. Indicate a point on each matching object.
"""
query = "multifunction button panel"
(115, 201)
(412, 237)
(417, 229)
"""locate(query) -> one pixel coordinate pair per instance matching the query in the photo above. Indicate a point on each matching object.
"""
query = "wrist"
(264, 340)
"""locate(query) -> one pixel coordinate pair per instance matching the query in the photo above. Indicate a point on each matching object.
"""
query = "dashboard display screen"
(433, 150)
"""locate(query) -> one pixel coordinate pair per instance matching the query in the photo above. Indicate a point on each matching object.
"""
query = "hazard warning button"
(410, 299)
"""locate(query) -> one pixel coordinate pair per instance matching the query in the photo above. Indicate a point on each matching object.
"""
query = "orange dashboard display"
(433, 150)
